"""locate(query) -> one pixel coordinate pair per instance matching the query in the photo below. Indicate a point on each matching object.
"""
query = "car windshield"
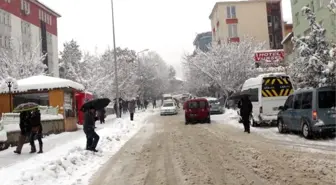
(168, 105)
(326, 99)
(197, 105)
(213, 101)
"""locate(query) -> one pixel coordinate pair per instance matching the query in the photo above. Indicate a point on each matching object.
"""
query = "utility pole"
(115, 65)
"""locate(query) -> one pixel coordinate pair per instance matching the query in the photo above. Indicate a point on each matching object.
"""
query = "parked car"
(267, 92)
(197, 110)
(168, 108)
(215, 106)
(309, 111)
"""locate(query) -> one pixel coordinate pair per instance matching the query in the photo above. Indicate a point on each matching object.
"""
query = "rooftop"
(42, 5)
(239, 1)
(42, 82)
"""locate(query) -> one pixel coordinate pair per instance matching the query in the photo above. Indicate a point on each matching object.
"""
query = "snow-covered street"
(272, 135)
(65, 161)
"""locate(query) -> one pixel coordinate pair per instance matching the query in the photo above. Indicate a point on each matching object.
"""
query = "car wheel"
(306, 132)
(281, 127)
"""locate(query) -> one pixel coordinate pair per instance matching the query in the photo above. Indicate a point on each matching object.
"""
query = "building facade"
(203, 41)
(232, 20)
(30, 25)
(323, 17)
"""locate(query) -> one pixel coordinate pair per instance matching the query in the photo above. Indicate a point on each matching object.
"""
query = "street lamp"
(115, 65)
(11, 84)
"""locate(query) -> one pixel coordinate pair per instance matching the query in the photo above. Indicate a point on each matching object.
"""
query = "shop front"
(46, 91)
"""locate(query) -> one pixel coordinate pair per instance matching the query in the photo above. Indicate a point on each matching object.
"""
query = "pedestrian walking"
(146, 104)
(246, 107)
(102, 115)
(154, 103)
(25, 128)
(36, 131)
(92, 137)
(131, 109)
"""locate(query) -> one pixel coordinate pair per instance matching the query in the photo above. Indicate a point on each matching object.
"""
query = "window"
(1, 41)
(231, 12)
(39, 98)
(297, 18)
(289, 102)
(326, 99)
(297, 101)
(25, 6)
(232, 30)
(307, 100)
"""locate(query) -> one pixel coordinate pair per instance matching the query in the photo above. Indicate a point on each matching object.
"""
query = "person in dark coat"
(102, 116)
(146, 103)
(131, 109)
(246, 107)
(25, 128)
(92, 137)
(154, 103)
(36, 131)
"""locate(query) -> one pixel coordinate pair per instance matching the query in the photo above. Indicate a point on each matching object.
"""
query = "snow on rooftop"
(179, 79)
(289, 35)
(44, 82)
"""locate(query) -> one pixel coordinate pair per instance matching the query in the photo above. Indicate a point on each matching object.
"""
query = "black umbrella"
(97, 104)
(26, 107)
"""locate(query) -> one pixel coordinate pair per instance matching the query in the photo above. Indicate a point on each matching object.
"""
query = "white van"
(167, 97)
(268, 92)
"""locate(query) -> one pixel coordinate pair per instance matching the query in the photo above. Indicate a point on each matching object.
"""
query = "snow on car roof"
(44, 82)
(211, 98)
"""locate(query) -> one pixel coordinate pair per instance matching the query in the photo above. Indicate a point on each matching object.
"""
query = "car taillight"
(314, 115)
(260, 110)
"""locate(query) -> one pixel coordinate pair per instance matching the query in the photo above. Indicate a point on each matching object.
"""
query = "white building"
(31, 25)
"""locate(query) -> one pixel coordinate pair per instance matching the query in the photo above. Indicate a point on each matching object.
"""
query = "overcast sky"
(165, 26)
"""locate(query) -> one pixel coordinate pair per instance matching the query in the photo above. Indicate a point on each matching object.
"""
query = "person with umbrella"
(92, 137)
(246, 107)
(25, 128)
(36, 131)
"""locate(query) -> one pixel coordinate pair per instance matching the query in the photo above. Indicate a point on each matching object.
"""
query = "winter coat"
(89, 121)
(36, 122)
(131, 106)
(25, 125)
(102, 113)
(245, 106)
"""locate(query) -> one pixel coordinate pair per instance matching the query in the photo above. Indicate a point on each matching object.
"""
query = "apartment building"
(203, 41)
(323, 16)
(31, 26)
(261, 19)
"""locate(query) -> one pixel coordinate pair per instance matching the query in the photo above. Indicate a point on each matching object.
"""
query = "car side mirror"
(282, 108)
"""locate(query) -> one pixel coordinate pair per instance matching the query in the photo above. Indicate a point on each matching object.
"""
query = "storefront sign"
(269, 56)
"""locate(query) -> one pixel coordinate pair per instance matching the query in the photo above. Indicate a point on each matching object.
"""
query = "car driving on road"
(215, 106)
(168, 107)
(197, 110)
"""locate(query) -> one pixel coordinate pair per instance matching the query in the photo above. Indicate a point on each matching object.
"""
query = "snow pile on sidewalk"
(70, 164)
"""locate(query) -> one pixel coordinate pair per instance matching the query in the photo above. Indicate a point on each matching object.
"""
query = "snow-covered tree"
(154, 75)
(19, 64)
(69, 64)
(225, 66)
(315, 65)
(332, 6)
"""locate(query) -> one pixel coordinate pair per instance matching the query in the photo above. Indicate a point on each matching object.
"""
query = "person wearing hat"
(92, 137)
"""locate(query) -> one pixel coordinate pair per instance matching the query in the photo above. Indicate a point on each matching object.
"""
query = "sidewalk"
(8, 158)
(67, 162)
